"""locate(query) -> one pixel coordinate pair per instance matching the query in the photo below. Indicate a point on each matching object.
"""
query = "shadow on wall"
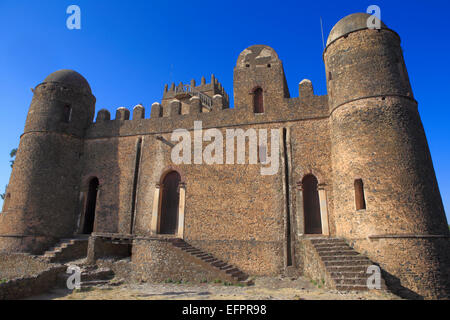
(395, 286)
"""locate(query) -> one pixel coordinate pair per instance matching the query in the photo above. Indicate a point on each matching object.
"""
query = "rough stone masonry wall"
(14, 265)
(377, 136)
(23, 275)
(156, 260)
(415, 267)
(26, 286)
(231, 211)
(43, 189)
(112, 161)
(312, 265)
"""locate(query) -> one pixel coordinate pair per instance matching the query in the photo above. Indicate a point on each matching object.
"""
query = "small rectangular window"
(360, 202)
(67, 113)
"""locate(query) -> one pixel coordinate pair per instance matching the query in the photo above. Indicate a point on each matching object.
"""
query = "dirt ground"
(265, 288)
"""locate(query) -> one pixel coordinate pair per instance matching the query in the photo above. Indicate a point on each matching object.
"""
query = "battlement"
(184, 107)
(206, 92)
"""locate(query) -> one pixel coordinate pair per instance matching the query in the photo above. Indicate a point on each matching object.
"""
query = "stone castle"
(355, 186)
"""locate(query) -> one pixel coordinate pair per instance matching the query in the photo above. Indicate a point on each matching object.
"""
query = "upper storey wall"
(363, 64)
(164, 119)
(258, 67)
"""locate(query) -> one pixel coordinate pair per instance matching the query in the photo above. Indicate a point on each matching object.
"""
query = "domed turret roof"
(353, 22)
(70, 78)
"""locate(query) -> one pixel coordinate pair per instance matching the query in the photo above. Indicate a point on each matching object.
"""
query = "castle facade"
(353, 165)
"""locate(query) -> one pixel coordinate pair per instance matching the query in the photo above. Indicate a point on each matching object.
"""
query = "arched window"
(258, 106)
(360, 202)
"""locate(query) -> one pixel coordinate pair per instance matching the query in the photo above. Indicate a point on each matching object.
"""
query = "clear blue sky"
(128, 50)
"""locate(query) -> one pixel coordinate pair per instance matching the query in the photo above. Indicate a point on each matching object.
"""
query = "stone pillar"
(323, 209)
(122, 114)
(217, 102)
(103, 115)
(181, 205)
(300, 212)
(138, 112)
(195, 105)
(154, 223)
(156, 110)
(173, 109)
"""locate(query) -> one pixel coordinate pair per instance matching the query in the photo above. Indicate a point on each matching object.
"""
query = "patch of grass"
(203, 281)
(217, 281)
(168, 281)
(3, 280)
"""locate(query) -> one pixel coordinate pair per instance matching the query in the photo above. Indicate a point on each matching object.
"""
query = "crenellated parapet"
(184, 92)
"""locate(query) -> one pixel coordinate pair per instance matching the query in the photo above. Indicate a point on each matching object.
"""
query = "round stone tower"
(42, 195)
(386, 198)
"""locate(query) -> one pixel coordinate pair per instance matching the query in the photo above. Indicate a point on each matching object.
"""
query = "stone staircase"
(346, 268)
(67, 250)
(230, 271)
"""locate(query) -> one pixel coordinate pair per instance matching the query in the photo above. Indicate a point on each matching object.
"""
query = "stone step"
(331, 253)
(98, 274)
(220, 265)
(340, 269)
(232, 270)
(338, 263)
(93, 283)
(346, 281)
(353, 257)
(331, 246)
(327, 241)
(349, 275)
(351, 287)
(227, 267)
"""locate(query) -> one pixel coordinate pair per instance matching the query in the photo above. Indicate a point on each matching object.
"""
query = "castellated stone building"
(355, 185)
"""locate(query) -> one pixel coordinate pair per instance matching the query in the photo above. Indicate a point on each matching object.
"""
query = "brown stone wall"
(414, 267)
(16, 265)
(364, 64)
(156, 260)
(43, 188)
(377, 136)
(112, 161)
(383, 143)
(26, 286)
(311, 146)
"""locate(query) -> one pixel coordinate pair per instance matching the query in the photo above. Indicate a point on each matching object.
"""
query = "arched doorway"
(311, 205)
(169, 203)
(89, 214)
